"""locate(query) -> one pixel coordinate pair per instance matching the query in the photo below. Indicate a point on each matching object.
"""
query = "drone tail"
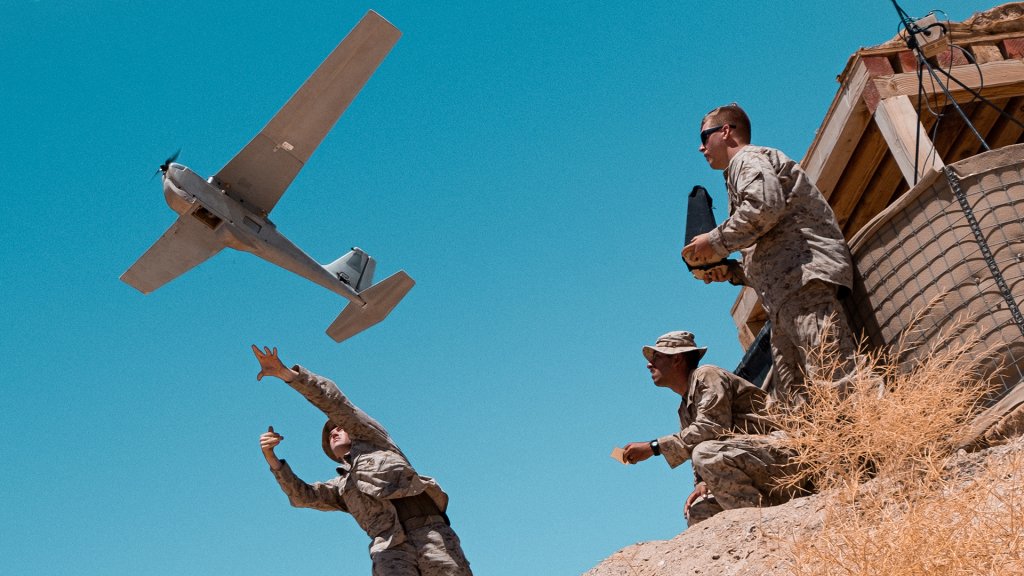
(380, 299)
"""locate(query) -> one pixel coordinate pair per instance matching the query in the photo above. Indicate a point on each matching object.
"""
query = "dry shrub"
(882, 455)
(950, 527)
(883, 418)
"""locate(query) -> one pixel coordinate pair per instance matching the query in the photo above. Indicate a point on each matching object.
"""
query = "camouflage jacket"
(784, 228)
(718, 403)
(374, 473)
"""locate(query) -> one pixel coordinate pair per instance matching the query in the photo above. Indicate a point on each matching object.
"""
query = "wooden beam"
(885, 185)
(984, 53)
(878, 67)
(839, 133)
(951, 128)
(984, 117)
(1002, 79)
(1014, 47)
(948, 55)
(1006, 132)
(863, 163)
(897, 121)
(748, 315)
(908, 61)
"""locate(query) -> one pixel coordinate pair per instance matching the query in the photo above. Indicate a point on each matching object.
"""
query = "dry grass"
(881, 453)
(942, 528)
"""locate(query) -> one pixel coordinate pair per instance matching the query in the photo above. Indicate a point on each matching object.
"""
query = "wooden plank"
(744, 334)
(877, 66)
(884, 184)
(908, 61)
(1014, 47)
(1006, 132)
(839, 133)
(984, 53)
(889, 49)
(954, 55)
(897, 121)
(983, 117)
(1002, 79)
(951, 128)
(865, 160)
(748, 314)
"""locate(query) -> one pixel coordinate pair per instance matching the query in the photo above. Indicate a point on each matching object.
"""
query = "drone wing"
(261, 171)
(185, 245)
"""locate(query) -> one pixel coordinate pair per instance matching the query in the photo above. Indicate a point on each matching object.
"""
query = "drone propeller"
(167, 164)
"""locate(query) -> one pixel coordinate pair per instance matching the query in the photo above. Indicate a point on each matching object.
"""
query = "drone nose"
(167, 163)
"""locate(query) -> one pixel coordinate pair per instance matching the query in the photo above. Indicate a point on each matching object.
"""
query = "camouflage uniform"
(793, 254)
(720, 425)
(403, 512)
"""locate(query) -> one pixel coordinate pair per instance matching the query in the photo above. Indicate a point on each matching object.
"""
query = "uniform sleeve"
(319, 496)
(325, 395)
(714, 418)
(761, 202)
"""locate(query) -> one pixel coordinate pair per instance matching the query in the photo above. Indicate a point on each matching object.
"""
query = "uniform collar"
(346, 466)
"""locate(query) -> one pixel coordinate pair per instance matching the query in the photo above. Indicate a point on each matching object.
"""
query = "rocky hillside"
(751, 541)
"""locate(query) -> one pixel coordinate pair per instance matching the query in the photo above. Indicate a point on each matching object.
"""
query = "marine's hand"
(271, 365)
(717, 274)
(637, 452)
(699, 491)
(699, 251)
(268, 440)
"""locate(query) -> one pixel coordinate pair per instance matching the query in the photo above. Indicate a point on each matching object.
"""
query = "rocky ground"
(749, 541)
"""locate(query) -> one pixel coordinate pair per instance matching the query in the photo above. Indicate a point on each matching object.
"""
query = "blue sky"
(526, 162)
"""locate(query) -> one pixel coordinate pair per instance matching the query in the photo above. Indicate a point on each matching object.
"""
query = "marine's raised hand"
(271, 365)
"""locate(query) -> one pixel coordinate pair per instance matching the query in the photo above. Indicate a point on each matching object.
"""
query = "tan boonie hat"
(325, 441)
(674, 343)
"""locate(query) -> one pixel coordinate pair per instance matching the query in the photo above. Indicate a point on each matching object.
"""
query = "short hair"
(692, 359)
(733, 115)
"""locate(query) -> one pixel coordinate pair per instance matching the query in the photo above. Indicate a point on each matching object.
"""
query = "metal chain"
(986, 252)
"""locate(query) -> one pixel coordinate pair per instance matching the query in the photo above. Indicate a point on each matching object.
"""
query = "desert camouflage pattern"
(783, 227)
(718, 403)
(703, 509)
(799, 325)
(744, 471)
(433, 550)
(793, 253)
(374, 473)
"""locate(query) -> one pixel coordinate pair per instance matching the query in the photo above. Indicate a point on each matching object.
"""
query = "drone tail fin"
(354, 268)
(380, 299)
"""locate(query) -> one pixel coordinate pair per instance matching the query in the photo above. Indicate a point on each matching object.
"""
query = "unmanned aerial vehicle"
(230, 208)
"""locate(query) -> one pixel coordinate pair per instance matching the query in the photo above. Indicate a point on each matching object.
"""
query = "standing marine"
(793, 252)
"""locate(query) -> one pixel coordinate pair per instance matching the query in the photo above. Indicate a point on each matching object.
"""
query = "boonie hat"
(325, 442)
(674, 343)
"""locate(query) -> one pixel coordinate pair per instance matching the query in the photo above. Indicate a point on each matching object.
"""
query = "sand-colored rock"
(750, 541)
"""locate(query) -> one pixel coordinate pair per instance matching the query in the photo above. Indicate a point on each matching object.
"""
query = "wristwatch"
(655, 447)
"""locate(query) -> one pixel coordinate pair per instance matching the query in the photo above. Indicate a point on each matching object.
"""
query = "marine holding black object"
(793, 252)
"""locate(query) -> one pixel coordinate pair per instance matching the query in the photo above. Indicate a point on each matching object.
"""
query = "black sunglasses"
(705, 134)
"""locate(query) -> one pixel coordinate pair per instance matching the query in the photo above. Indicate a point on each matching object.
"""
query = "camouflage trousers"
(431, 550)
(741, 471)
(797, 326)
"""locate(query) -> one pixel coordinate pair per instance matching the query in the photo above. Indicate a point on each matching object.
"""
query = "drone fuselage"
(238, 227)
